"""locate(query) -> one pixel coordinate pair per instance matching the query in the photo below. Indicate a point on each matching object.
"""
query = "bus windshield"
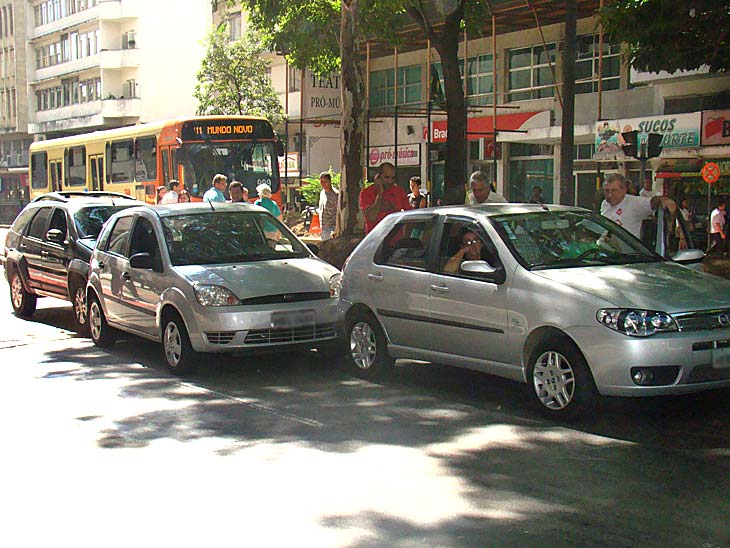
(251, 163)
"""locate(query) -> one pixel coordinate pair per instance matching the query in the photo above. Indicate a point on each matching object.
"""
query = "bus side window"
(39, 170)
(76, 166)
(146, 159)
(166, 165)
(122, 161)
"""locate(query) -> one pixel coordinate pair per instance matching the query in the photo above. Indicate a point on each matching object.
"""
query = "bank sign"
(408, 155)
(716, 127)
(677, 130)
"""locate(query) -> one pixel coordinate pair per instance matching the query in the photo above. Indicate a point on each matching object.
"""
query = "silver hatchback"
(210, 278)
(556, 297)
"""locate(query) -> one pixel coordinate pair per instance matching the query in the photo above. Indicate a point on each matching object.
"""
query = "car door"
(468, 312)
(56, 253)
(31, 248)
(112, 263)
(142, 288)
(397, 283)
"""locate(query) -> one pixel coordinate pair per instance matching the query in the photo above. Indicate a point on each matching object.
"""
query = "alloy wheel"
(554, 380)
(80, 307)
(95, 321)
(363, 345)
(172, 344)
(17, 292)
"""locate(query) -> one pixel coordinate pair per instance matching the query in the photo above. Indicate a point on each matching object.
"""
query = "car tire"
(101, 333)
(367, 348)
(23, 302)
(176, 348)
(77, 295)
(559, 380)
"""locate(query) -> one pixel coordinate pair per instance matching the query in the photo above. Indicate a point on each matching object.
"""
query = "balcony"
(116, 10)
(120, 59)
(121, 108)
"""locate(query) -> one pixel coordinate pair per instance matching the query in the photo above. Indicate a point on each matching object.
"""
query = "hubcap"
(16, 291)
(363, 345)
(95, 321)
(172, 344)
(80, 305)
(554, 380)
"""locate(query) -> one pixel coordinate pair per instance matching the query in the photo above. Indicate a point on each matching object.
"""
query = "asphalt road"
(105, 448)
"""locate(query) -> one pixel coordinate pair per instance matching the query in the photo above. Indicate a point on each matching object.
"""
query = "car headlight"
(637, 323)
(215, 295)
(335, 285)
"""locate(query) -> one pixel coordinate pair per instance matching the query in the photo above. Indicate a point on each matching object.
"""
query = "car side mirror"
(314, 248)
(689, 256)
(484, 270)
(56, 236)
(142, 261)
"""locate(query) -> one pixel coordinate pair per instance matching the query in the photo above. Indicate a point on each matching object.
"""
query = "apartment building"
(96, 64)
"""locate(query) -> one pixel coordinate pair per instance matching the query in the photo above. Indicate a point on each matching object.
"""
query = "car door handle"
(101, 265)
(44, 254)
(378, 277)
(440, 288)
(126, 276)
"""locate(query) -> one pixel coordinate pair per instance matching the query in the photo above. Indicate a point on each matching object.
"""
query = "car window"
(89, 220)
(144, 240)
(21, 223)
(406, 245)
(58, 221)
(39, 223)
(464, 240)
(227, 237)
(562, 239)
(118, 238)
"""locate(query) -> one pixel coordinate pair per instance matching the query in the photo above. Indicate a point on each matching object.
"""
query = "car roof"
(75, 200)
(495, 208)
(197, 208)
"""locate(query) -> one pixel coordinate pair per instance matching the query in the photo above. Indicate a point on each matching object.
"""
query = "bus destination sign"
(225, 130)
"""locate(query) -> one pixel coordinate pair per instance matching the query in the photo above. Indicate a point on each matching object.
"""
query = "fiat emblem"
(723, 319)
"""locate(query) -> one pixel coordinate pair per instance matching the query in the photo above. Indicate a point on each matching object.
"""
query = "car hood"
(260, 278)
(663, 286)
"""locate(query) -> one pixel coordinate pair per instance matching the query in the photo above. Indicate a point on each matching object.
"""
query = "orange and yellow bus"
(135, 160)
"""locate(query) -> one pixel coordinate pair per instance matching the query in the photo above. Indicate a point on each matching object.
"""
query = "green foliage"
(234, 79)
(311, 187)
(671, 34)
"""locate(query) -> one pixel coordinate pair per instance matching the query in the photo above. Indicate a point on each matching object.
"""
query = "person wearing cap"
(271, 206)
(215, 192)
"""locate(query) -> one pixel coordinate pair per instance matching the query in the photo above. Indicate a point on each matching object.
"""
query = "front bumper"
(611, 356)
(259, 328)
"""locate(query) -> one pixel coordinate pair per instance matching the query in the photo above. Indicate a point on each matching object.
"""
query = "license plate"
(295, 318)
(721, 358)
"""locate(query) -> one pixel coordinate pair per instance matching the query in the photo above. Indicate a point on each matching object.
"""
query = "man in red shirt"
(383, 197)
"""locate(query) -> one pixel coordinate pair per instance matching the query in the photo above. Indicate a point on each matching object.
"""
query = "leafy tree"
(312, 187)
(233, 78)
(671, 34)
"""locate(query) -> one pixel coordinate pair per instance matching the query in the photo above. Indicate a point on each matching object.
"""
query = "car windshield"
(228, 237)
(564, 239)
(89, 220)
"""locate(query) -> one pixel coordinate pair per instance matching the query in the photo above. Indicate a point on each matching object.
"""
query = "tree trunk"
(446, 43)
(353, 117)
(567, 184)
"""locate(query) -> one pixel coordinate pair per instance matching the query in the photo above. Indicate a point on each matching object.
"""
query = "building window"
(586, 65)
(383, 87)
(295, 79)
(530, 76)
(479, 83)
(234, 26)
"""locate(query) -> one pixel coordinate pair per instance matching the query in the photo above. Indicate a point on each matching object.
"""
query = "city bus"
(135, 160)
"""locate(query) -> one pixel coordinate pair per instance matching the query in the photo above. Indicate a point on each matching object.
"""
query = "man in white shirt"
(170, 196)
(627, 210)
(647, 191)
(717, 229)
(481, 192)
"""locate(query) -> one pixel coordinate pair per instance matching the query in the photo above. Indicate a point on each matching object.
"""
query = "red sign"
(716, 127)
(482, 127)
(711, 172)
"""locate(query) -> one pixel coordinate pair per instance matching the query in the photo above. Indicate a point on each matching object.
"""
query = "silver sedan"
(555, 297)
(210, 278)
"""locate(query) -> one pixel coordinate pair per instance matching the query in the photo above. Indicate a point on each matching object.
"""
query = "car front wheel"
(179, 353)
(559, 380)
(23, 302)
(102, 335)
(368, 349)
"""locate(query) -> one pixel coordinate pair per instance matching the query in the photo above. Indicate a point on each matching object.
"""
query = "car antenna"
(211, 206)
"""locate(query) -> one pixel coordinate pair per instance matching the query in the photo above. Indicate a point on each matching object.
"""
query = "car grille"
(707, 373)
(220, 337)
(291, 334)
(707, 319)
(288, 298)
